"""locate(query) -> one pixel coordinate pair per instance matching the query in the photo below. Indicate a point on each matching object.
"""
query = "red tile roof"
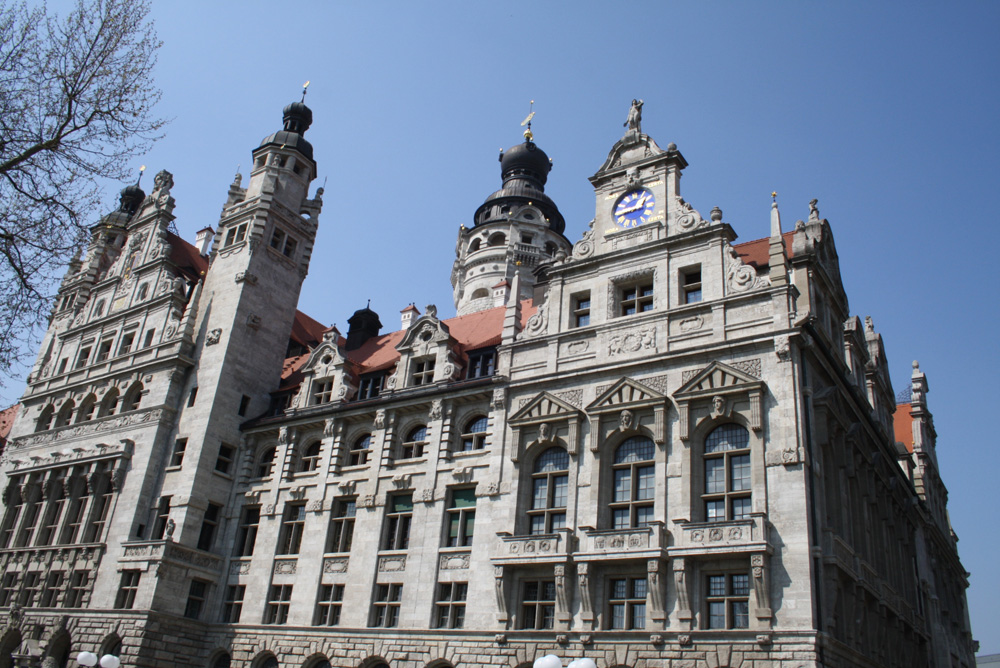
(902, 426)
(756, 253)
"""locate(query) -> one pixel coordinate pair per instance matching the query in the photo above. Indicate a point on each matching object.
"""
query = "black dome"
(131, 198)
(297, 118)
(525, 160)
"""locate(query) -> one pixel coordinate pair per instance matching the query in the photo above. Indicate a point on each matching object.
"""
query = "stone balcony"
(733, 536)
(618, 544)
(540, 549)
(170, 555)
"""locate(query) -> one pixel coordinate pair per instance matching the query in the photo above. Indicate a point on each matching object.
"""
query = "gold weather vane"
(305, 88)
(774, 195)
(142, 169)
(527, 121)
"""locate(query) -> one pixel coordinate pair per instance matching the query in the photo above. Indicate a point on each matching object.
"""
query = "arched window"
(133, 398)
(319, 663)
(109, 404)
(727, 474)
(265, 463)
(414, 444)
(550, 248)
(143, 291)
(359, 453)
(634, 484)
(481, 293)
(497, 239)
(65, 413)
(45, 419)
(221, 661)
(549, 491)
(87, 408)
(474, 246)
(310, 458)
(477, 430)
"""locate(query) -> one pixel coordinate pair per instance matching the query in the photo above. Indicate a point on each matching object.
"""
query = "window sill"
(354, 467)
(226, 476)
(176, 467)
(469, 453)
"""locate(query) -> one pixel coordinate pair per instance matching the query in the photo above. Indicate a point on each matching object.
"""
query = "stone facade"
(651, 447)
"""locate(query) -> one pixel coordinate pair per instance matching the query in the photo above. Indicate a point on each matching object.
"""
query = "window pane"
(623, 485)
(553, 459)
(716, 585)
(643, 516)
(639, 616)
(717, 615)
(540, 496)
(620, 518)
(538, 525)
(558, 521)
(463, 498)
(727, 437)
(619, 589)
(639, 588)
(560, 486)
(715, 511)
(741, 615)
(715, 476)
(618, 616)
(740, 584)
(741, 508)
(548, 590)
(400, 504)
(646, 483)
(740, 472)
(635, 449)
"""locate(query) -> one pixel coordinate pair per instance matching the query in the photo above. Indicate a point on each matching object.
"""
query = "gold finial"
(142, 169)
(305, 86)
(528, 136)
(774, 195)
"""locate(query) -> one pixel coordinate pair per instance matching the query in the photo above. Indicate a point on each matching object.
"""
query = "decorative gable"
(426, 339)
(544, 418)
(626, 397)
(719, 382)
(327, 364)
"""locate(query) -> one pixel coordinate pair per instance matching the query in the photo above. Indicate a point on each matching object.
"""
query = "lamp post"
(90, 660)
(553, 661)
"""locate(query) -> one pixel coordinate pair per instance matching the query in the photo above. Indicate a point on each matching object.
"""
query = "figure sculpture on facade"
(634, 120)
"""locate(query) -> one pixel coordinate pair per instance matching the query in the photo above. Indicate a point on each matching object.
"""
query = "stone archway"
(9, 643)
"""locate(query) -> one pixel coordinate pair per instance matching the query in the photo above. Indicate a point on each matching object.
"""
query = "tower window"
(244, 405)
(581, 309)
(224, 462)
(177, 456)
(636, 299)
(236, 234)
(691, 284)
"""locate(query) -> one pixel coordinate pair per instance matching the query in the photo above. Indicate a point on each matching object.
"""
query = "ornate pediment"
(624, 399)
(425, 332)
(543, 408)
(719, 383)
(626, 393)
(545, 419)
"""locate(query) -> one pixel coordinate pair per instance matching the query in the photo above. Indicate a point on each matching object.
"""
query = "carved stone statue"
(634, 120)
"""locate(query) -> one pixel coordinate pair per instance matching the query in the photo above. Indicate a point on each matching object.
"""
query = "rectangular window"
(385, 607)
(177, 456)
(104, 350)
(636, 299)
(461, 517)
(278, 602)
(290, 245)
(53, 588)
(370, 385)
(292, 524)
(322, 392)
(8, 588)
(627, 603)
(30, 589)
(328, 605)
(128, 338)
(82, 357)
(581, 309)
(728, 601)
(233, 605)
(79, 584)
(196, 599)
(127, 590)
(50, 522)
(29, 522)
(728, 483)
(691, 285)
(209, 524)
(246, 536)
(192, 396)
(224, 462)
(342, 526)
(62, 365)
(162, 516)
(244, 405)
(148, 341)
(397, 522)
(482, 363)
(423, 372)
(449, 610)
(538, 604)
(277, 239)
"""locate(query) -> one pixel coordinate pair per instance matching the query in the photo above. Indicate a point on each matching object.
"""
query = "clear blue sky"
(886, 112)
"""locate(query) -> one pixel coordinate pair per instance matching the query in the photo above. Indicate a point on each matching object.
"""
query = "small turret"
(363, 325)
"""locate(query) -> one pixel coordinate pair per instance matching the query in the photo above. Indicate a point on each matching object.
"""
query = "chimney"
(408, 315)
(203, 242)
(501, 291)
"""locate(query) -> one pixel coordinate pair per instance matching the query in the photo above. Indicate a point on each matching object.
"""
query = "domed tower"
(517, 228)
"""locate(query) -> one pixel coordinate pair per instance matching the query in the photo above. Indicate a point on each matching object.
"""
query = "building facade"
(652, 447)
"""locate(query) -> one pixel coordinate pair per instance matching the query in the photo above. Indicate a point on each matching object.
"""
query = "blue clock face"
(634, 208)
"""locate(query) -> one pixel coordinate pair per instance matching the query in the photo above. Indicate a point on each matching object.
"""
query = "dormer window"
(423, 372)
(370, 385)
(482, 363)
(322, 391)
